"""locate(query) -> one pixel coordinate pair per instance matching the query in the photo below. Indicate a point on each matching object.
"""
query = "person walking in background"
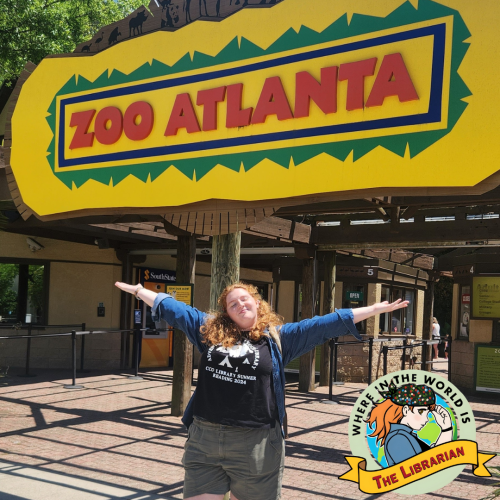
(236, 415)
(436, 335)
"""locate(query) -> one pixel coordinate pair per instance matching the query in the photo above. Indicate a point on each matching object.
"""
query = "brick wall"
(352, 363)
(462, 364)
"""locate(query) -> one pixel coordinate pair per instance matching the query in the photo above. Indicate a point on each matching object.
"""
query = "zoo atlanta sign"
(265, 105)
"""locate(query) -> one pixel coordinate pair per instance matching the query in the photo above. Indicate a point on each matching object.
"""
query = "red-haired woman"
(406, 410)
(235, 417)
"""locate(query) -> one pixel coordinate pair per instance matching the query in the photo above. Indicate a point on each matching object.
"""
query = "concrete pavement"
(116, 439)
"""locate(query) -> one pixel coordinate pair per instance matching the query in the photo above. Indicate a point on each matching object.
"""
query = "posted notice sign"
(486, 297)
(182, 293)
(488, 368)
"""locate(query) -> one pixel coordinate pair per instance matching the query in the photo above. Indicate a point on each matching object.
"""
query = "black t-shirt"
(235, 385)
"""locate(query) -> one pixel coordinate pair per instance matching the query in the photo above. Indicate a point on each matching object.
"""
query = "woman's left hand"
(385, 307)
(362, 313)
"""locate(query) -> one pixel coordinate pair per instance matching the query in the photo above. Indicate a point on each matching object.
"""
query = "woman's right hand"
(128, 288)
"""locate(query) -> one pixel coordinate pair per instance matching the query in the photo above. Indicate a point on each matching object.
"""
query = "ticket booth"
(475, 360)
(157, 343)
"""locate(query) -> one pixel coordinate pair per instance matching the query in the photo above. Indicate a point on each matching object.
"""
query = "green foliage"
(8, 297)
(35, 288)
(32, 29)
(443, 295)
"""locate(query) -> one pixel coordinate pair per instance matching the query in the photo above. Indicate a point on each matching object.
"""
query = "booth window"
(401, 320)
(23, 294)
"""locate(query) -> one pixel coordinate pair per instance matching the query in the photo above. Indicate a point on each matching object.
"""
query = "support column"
(428, 314)
(125, 310)
(328, 307)
(225, 264)
(309, 294)
(183, 349)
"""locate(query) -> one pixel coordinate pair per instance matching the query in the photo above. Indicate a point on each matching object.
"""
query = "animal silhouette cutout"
(164, 4)
(113, 37)
(206, 11)
(86, 48)
(99, 40)
(135, 24)
(188, 11)
(177, 12)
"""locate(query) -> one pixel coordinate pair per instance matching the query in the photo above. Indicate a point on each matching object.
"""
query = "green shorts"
(220, 458)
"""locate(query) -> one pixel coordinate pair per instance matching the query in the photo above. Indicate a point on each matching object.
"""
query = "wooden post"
(183, 349)
(328, 307)
(125, 311)
(307, 370)
(428, 314)
(225, 264)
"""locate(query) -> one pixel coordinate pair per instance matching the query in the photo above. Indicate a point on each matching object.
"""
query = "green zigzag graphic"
(233, 52)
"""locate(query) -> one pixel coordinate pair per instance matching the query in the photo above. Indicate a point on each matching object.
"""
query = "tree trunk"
(225, 264)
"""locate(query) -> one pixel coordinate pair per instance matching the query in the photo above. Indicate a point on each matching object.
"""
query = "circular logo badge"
(412, 431)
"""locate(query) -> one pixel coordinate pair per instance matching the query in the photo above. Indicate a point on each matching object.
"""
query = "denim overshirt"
(401, 444)
(296, 339)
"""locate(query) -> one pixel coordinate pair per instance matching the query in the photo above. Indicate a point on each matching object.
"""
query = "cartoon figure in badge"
(405, 411)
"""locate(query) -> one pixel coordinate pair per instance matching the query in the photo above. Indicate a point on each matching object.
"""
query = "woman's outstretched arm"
(139, 291)
(175, 313)
(362, 313)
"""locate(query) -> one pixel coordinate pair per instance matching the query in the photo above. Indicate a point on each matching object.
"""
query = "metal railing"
(424, 344)
(137, 333)
(334, 346)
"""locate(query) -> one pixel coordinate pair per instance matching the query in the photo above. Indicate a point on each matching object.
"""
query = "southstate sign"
(265, 105)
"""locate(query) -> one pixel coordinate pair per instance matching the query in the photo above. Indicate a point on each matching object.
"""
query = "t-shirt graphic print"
(235, 385)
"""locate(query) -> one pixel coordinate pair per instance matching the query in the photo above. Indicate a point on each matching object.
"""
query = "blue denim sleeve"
(299, 338)
(401, 447)
(180, 316)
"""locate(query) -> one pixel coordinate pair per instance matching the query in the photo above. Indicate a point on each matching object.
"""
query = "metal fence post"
(28, 355)
(335, 360)
(424, 355)
(82, 351)
(73, 346)
(370, 360)
(330, 378)
(137, 341)
(403, 356)
(385, 350)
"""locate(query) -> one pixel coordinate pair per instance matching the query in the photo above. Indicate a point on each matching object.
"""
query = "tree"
(32, 29)
(8, 296)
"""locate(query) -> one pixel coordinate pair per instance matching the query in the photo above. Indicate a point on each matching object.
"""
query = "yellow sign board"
(486, 297)
(182, 293)
(267, 104)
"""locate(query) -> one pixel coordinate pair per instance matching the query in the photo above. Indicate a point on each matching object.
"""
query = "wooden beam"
(282, 228)
(307, 371)
(183, 349)
(416, 234)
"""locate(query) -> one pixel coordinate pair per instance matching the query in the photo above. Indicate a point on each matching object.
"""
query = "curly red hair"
(219, 328)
